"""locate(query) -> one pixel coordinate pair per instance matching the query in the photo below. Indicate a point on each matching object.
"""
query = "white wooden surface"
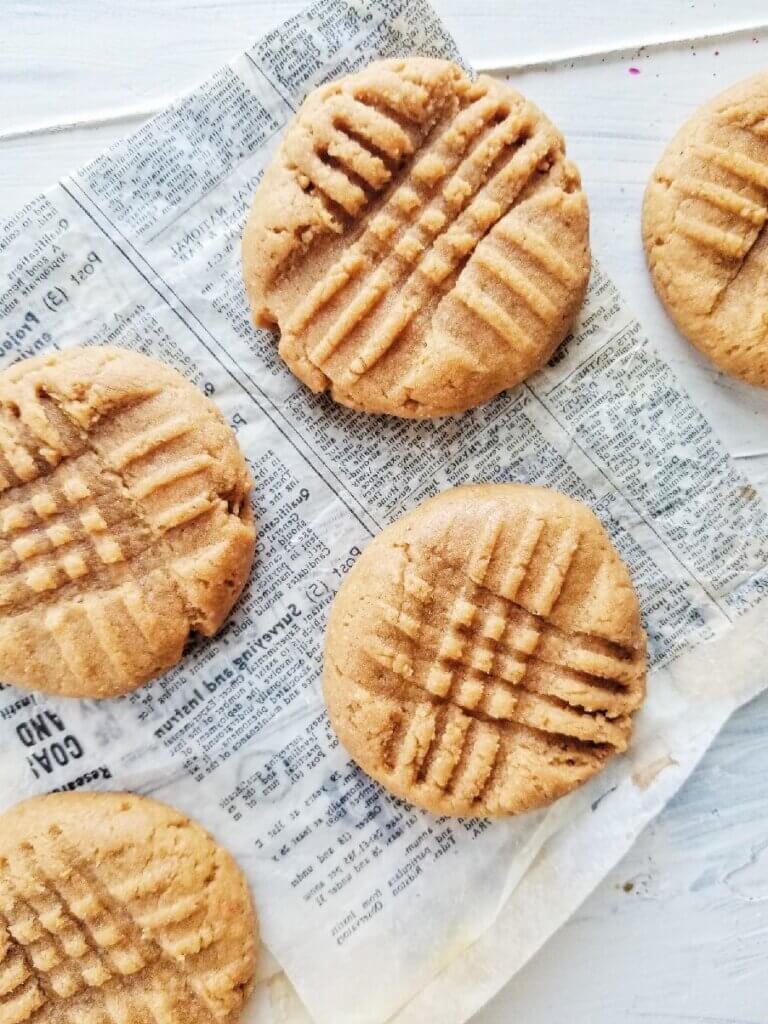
(679, 932)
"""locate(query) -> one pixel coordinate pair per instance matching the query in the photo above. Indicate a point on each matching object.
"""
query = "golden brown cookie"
(485, 654)
(420, 240)
(124, 520)
(703, 227)
(114, 908)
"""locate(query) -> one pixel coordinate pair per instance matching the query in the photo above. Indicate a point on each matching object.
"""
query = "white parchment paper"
(371, 911)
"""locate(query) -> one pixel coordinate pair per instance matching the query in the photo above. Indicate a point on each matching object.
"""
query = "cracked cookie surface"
(704, 217)
(485, 654)
(125, 522)
(117, 908)
(420, 240)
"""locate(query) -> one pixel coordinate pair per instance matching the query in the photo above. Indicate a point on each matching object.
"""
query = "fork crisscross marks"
(728, 192)
(101, 897)
(722, 185)
(71, 549)
(134, 531)
(70, 942)
(155, 450)
(167, 931)
(351, 148)
(357, 298)
(518, 286)
(723, 207)
(449, 170)
(704, 217)
(479, 649)
(181, 924)
(495, 657)
(32, 450)
(76, 944)
(73, 528)
(456, 189)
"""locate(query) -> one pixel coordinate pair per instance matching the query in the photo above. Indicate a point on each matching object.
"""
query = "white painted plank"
(112, 53)
(688, 943)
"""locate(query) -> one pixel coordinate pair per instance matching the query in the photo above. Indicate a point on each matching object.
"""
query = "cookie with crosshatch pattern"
(114, 907)
(704, 217)
(124, 520)
(485, 654)
(420, 240)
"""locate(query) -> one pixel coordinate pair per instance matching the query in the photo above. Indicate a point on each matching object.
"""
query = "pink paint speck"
(634, 71)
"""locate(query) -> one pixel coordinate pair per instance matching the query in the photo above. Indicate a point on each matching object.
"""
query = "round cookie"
(485, 654)
(117, 907)
(420, 240)
(704, 213)
(124, 520)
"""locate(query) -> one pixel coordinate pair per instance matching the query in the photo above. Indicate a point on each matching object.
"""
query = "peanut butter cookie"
(117, 908)
(420, 240)
(704, 217)
(124, 520)
(485, 654)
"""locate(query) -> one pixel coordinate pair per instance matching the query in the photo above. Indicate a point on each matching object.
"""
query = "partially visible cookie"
(115, 907)
(420, 240)
(485, 654)
(124, 520)
(704, 216)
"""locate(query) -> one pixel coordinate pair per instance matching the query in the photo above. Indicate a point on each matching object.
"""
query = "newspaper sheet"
(371, 910)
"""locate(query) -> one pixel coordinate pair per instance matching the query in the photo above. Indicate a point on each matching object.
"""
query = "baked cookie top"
(704, 213)
(124, 520)
(420, 240)
(485, 654)
(116, 907)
